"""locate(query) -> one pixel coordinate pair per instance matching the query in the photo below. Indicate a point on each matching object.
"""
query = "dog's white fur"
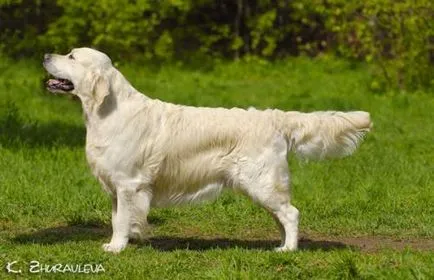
(146, 152)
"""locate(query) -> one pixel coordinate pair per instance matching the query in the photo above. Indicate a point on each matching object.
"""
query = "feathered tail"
(328, 134)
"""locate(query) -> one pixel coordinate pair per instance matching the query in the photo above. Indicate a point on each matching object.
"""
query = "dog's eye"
(71, 56)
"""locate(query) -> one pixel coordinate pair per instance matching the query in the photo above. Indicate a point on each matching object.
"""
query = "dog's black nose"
(47, 56)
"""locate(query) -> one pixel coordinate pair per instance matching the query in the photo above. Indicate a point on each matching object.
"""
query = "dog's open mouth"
(57, 84)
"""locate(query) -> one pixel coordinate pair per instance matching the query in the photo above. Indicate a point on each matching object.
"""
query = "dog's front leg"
(121, 217)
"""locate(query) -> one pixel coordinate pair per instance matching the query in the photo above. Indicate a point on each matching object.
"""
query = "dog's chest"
(113, 158)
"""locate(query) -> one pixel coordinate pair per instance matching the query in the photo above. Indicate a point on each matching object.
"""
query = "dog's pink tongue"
(53, 82)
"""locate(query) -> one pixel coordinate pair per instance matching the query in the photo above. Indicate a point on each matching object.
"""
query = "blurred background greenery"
(396, 37)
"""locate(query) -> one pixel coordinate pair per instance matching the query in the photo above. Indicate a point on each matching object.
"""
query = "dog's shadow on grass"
(168, 243)
(63, 234)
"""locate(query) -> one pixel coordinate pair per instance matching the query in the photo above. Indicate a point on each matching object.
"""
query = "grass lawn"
(368, 216)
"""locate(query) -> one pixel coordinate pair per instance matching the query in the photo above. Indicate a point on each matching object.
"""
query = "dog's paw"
(285, 248)
(113, 247)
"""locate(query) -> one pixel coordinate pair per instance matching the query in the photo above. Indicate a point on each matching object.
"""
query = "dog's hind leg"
(275, 198)
(281, 228)
(288, 218)
(277, 202)
(266, 181)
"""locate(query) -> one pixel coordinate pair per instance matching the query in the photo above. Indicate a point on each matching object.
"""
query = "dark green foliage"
(396, 36)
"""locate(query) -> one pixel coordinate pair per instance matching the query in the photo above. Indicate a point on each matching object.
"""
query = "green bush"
(395, 36)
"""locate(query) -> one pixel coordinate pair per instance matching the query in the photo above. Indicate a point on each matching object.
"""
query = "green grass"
(53, 210)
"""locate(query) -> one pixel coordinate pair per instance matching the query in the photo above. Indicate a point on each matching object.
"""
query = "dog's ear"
(101, 90)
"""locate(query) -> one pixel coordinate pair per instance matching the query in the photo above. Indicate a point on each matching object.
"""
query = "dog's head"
(83, 72)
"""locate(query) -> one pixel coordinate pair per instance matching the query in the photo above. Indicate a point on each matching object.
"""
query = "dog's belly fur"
(178, 196)
(188, 179)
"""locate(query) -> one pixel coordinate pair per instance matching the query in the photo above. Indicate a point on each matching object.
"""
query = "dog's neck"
(120, 85)
(120, 90)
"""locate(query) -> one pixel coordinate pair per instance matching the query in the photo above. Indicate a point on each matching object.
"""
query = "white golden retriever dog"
(149, 153)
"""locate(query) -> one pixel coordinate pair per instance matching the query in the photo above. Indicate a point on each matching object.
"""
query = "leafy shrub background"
(395, 36)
